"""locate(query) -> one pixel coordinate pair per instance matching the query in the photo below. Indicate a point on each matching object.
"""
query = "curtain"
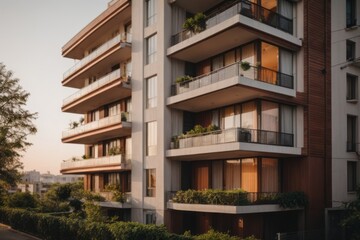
(269, 175)
(286, 119)
(232, 175)
(227, 118)
(269, 116)
(249, 115)
(286, 8)
(178, 18)
(249, 175)
(217, 174)
(286, 67)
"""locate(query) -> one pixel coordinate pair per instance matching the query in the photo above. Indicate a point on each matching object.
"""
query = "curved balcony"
(232, 26)
(112, 52)
(107, 89)
(233, 143)
(108, 163)
(225, 84)
(105, 128)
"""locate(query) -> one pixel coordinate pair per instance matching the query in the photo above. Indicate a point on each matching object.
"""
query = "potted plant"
(123, 117)
(245, 65)
(114, 151)
(195, 24)
(183, 79)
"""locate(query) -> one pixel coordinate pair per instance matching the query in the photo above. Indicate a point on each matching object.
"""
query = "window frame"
(350, 13)
(151, 18)
(151, 49)
(351, 127)
(150, 185)
(350, 50)
(151, 97)
(351, 87)
(351, 179)
(151, 141)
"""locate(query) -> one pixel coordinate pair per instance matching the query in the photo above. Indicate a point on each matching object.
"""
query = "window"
(151, 49)
(150, 182)
(150, 217)
(351, 87)
(351, 133)
(350, 50)
(151, 92)
(150, 12)
(350, 13)
(351, 176)
(151, 138)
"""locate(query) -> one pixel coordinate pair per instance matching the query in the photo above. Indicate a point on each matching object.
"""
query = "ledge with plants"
(240, 198)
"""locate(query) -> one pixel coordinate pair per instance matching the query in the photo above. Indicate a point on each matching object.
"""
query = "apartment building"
(345, 112)
(256, 76)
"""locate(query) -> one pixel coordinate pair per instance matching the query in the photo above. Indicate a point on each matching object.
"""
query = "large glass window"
(151, 138)
(350, 13)
(350, 50)
(150, 12)
(351, 133)
(351, 87)
(351, 176)
(150, 182)
(246, 174)
(151, 49)
(151, 98)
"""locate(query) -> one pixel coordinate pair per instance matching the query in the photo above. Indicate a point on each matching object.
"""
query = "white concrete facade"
(341, 107)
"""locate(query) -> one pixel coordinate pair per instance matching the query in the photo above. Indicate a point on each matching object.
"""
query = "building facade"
(238, 99)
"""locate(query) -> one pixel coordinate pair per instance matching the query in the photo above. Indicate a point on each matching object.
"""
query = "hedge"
(49, 227)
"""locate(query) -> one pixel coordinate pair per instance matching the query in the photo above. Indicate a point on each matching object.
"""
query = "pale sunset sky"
(31, 36)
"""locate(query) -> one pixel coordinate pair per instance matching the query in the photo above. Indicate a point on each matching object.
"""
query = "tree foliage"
(352, 222)
(16, 123)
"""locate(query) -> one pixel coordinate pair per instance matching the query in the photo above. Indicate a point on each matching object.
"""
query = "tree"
(22, 200)
(16, 124)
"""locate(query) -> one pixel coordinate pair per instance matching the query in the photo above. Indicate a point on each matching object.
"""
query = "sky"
(32, 34)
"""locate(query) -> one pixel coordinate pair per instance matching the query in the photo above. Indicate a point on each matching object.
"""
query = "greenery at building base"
(239, 197)
(50, 227)
(351, 223)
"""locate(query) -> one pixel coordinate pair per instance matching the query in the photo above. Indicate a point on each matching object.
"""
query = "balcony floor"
(226, 92)
(232, 150)
(109, 93)
(261, 208)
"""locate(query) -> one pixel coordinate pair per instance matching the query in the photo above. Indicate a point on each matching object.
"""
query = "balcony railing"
(100, 50)
(104, 122)
(236, 135)
(246, 8)
(108, 195)
(95, 162)
(93, 86)
(259, 73)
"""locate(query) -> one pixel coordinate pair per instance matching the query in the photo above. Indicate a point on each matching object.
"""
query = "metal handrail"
(245, 8)
(258, 73)
(236, 135)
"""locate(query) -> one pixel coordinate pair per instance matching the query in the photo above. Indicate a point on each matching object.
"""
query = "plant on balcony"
(210, 196)
(195, 24)
(183, 79)
(73, 124)
(174, 142)
(81, 120)
(115, 189)
(123, 117)
(245, 65)
(198, 129)
(115, 151)
(292, 200)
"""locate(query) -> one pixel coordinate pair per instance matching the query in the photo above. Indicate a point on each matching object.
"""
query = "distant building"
(31, 176)
(34, 182)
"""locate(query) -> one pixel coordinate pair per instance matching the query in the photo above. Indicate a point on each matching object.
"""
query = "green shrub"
(195, 24)
(21, 200)
(292, 200)
(183, 79)
(213, 235)
(210, 196)
(138, 231)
